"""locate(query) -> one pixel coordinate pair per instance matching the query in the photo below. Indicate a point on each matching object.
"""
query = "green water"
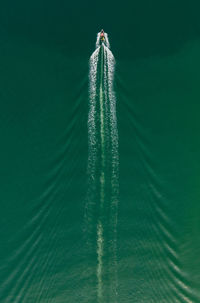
(44, 67)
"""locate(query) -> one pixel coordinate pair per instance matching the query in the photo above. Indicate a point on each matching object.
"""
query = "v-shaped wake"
(103, 162)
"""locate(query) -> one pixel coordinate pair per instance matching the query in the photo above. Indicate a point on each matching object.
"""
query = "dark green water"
(44, 66)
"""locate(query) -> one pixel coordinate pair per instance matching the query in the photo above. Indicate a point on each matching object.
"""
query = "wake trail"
(103, 162)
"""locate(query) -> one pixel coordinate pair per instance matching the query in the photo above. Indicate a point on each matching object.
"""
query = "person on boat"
(102, 37)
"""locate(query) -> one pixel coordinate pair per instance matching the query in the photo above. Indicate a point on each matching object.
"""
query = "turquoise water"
(118, 220)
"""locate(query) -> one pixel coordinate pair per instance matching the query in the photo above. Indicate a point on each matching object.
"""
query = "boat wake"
(103, 162)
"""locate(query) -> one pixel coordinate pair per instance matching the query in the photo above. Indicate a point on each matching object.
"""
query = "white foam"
(102, 108)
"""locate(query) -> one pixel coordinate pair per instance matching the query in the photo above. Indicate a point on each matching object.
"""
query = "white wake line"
(107, 113)
(100, 239)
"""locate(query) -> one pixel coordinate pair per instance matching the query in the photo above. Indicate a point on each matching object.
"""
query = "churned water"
(103, 166)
